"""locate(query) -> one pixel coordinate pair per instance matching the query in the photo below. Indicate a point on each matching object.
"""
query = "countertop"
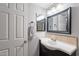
(58, 45)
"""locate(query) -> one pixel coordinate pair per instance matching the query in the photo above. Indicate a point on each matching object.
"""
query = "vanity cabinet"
(43, 51)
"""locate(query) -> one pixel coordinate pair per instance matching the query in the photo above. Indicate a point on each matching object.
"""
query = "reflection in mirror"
(55, 21)
(40, 23)
(50, 26)
(60, 22)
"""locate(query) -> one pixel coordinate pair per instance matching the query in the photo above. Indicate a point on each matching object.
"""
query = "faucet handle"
(54, 39)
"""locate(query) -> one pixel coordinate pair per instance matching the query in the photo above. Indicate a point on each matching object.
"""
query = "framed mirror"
(60, 22)
(40, 23)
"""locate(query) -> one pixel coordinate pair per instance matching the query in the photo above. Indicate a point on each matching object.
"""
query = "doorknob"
(25, 41)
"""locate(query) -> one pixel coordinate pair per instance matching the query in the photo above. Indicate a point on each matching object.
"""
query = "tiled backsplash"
(65, 38)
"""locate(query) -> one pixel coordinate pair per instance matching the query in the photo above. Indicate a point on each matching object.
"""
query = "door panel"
(4, 52)
(13, 30)
(12, 6)
(20, 6)
(19, 26)
(19, 51)
(3, 25)
(4, 5)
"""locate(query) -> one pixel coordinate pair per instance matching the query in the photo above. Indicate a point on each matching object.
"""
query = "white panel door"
(13, 30)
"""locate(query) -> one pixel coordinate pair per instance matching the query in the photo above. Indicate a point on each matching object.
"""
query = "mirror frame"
(68, 23)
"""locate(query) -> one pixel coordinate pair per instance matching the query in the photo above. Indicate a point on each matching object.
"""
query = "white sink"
(58, 45)
(48, 43)
(51, 42)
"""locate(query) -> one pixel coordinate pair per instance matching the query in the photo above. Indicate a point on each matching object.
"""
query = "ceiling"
(44, 5)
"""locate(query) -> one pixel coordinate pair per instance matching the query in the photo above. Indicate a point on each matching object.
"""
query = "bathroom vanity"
(50, 47)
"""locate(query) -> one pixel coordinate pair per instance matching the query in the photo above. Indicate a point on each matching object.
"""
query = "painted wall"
(75, 24)
(34, 43)
(75, 21)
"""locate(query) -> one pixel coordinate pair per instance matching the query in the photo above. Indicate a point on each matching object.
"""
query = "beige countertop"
(58, 45)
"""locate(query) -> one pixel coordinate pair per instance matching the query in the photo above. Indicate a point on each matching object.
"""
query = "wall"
(34, 43)
(75, 23)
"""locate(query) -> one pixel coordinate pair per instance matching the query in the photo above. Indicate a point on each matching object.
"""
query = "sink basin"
(48, 43)
(58, 45)
(51, 42)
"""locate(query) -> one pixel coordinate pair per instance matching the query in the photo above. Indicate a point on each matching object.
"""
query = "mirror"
(60, 22)
(40, 23)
